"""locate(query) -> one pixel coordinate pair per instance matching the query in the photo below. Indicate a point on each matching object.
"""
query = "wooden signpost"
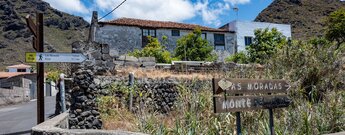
(37, 31)
(40, 58)
(228, 96)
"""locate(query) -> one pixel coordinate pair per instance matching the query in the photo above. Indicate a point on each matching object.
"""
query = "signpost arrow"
(248, 103)
(54, 57)
(240, 86)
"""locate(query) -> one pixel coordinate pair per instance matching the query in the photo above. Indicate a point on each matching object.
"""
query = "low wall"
(15, 95)
(58, 125)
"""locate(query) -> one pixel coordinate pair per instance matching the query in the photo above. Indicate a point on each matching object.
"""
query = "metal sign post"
(37, 30)
(62, 92)
(227, 97)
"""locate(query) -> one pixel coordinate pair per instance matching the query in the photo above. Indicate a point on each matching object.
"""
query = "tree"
(193, 48)
(336, 27)
(154, 49)
(265, 44)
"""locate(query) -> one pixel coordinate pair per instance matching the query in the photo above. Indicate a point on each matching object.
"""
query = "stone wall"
(124, 39)
(158, 95)
(100, 61)
(83, 110)
(15, 95)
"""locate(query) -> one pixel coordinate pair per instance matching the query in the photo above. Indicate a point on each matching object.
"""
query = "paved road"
(19, 119)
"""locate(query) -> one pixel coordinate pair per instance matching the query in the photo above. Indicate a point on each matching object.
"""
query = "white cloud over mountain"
(165, 10)
(70, 6)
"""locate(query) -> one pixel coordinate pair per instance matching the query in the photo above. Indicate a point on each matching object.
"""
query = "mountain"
(60, 29)
(307, 17)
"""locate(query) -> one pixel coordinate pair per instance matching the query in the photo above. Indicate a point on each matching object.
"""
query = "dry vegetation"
(317, 90)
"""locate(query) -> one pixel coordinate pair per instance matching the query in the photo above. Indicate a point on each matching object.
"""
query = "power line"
(113, 9)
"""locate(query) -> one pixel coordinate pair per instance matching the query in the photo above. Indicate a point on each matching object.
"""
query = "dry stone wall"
(83, 111)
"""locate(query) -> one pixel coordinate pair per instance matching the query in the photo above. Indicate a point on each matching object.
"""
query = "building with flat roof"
(245, 31)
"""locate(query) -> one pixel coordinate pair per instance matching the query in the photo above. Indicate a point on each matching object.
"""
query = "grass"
(193, 112)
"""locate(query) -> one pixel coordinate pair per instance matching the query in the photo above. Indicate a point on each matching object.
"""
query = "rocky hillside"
(306, 16)
(60, 29)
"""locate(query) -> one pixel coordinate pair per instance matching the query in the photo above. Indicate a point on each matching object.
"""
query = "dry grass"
(156, 73)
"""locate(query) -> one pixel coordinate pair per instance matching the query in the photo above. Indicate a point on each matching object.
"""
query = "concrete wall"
(58, 126)
(15, 95)
(244, 28)
(124, 39)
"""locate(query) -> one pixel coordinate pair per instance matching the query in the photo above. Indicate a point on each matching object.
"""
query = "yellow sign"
(30, 57)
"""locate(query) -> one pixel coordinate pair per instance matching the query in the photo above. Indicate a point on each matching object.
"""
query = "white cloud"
(234, 2)
(70, 6)
(210, 13)
(166, 10)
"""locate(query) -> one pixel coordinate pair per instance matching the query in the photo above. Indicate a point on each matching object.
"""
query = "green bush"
(192, 47)
(239, 57)
(154, 49)
(265, 44)
(336, 27)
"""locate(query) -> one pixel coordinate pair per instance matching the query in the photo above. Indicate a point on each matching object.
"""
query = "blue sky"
(212, 13)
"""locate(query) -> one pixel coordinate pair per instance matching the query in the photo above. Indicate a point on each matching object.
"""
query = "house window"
(21, 70)
(204, 36)
(149, 32)
(175, 32)
(248, 40)
(219, 42)
(146, 33)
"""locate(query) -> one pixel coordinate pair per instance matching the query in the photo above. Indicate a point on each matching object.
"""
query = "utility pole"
(37, 30)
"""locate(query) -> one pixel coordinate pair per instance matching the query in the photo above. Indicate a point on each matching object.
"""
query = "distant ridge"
(305, 16)
(61, 29)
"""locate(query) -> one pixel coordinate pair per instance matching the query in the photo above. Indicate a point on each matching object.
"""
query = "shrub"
(240, 57)
(336, 27)
(266, 43)
(192, 47)
(154, 49)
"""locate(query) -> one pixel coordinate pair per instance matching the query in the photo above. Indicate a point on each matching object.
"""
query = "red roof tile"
(20, 66)
(159, 24)
(12, 74)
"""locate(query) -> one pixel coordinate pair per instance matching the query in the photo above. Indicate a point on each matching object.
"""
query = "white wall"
(15, 70)
(244, 28)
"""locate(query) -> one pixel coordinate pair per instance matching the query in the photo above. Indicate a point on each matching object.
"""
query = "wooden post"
(271, 122)
(130, 83)
(40, 70)
(238, 121)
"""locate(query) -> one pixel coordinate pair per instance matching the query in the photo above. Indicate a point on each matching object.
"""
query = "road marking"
(8, 109)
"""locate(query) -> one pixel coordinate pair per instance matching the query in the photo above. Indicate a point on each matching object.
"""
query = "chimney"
(94, 25)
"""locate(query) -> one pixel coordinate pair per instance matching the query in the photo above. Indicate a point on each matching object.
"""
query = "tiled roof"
(12, 74)
(159, 24)
(20, 66)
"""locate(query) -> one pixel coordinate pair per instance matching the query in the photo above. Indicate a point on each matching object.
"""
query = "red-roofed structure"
(159, 24)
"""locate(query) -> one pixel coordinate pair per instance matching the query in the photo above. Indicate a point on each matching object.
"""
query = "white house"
(245, 31)
(19, 68)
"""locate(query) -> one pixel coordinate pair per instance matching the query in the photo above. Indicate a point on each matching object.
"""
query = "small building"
(21, 77)
(19, 68)
(245, 31)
